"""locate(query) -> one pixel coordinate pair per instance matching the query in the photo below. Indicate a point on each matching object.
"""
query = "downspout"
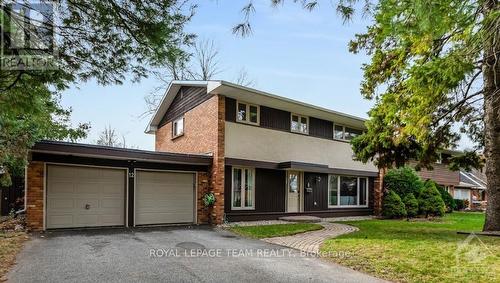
(25, 191)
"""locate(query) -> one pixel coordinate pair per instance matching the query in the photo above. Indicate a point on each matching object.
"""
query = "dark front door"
(315, 191)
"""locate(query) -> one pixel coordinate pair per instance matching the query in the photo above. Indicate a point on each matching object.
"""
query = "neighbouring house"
(470, 186)
(263, 156)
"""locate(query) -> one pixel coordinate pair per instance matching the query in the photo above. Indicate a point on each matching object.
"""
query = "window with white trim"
(299, 124)
(243, 188)
(347, 191)
(247, 113)
(178, 127)
(345, 133)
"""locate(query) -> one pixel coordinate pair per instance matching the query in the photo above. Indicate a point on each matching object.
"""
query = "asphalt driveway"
(181, 254)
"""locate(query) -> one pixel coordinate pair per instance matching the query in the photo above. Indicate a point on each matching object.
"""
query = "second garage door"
(164, 197)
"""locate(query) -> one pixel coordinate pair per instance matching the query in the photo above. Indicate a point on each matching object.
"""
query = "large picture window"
(243, 191)
(247, 113)
(347, 191)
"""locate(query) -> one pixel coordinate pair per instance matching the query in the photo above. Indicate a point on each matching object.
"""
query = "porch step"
(301, 218)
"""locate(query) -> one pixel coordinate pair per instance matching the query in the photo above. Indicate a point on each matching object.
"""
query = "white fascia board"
(166, 100)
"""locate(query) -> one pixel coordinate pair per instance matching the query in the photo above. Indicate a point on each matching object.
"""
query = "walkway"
(311, 241)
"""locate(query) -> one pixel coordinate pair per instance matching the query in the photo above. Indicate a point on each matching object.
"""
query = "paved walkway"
(311, 241)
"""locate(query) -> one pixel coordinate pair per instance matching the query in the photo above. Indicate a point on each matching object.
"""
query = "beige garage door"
(85, 197)
(164, 197)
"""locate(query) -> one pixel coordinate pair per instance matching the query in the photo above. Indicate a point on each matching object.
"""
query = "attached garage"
(85, 196)
(164, 197)
(78, 186)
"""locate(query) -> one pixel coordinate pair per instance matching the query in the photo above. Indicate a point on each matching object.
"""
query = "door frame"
(46, 165)
(195, 192)
(301, 190)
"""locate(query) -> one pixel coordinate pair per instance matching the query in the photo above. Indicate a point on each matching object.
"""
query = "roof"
(90, 150)
(255, 96)
(472, 179)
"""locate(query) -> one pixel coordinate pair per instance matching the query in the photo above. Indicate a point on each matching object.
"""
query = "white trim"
(126, 198)
(247, 113)
(338, 205)
(300, 123)
(45, 180)
(243, 191)
(176, 122)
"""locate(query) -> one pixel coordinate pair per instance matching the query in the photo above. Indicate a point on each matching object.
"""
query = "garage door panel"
(164, 197)
(61, 203)
(60, 221)
(102, 189)
(93, 188)
(62, 188)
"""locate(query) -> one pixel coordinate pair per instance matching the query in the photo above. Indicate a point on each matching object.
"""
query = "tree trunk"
(491, 77)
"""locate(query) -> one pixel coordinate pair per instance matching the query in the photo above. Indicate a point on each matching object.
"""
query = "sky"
(292, 52)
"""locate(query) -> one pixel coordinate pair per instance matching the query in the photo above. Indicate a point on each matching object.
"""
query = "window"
(347, 191)
(243, 188)
(345, 133)
(247, 113)
(178, 127)
(300, 124)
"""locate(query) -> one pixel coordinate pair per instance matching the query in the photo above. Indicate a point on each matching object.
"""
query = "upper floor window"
(345, 133)
(178, 127)
(300, 124)
(247, 113)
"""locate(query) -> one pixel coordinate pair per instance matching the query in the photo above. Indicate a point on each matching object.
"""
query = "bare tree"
(243, 78)
(201, 64)
(109, 137)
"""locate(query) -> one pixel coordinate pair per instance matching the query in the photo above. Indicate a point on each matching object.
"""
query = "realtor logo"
(471, 253)
(28, 35)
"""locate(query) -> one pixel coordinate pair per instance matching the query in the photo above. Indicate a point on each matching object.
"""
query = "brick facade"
(204, 129)
(202, 213)
(34, 205)
(200, 131)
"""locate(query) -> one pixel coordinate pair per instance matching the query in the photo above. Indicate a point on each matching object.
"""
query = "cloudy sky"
(292, 52)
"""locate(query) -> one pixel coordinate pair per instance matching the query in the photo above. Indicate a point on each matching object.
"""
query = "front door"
(294, 189)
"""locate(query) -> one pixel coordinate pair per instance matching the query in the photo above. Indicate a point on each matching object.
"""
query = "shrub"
(393, 206)
(411, 205)
(403, 181)
(447, 198)
(430, 201)
(459, 204)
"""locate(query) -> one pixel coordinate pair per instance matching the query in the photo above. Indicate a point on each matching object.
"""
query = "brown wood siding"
(441, 174)
(320, 128)
(186, 99)
(317, 199)
(269, 191)
(274, 118)
(230, 109)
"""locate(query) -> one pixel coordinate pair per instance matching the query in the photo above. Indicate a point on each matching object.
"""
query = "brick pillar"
(34, 205)
(217, 212)
(203, 187)
(378, 192)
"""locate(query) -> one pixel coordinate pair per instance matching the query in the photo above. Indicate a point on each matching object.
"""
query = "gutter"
(25, 191)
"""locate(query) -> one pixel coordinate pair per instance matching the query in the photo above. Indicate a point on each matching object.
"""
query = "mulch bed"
(12, 237)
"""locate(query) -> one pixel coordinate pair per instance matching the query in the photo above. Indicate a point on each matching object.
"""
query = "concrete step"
(301, 218)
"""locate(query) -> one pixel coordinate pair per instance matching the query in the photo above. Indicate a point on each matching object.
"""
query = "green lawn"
(277, 230)
(429, 251)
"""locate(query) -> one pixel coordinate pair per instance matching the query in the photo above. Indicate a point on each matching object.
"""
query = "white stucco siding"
(255, 143)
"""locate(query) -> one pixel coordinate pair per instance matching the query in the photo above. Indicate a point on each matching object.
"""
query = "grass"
(10, 244)
(420, 251)
(276, 230)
